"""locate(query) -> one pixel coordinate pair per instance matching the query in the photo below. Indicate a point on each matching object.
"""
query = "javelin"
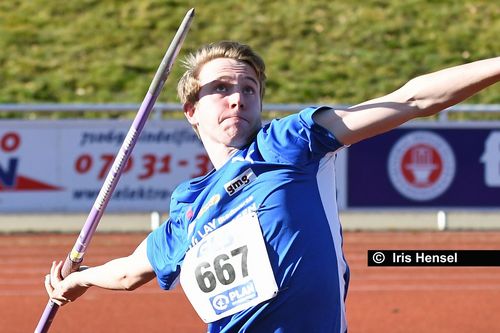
(75, 257)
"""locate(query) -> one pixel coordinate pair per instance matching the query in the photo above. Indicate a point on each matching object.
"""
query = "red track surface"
(409, 299)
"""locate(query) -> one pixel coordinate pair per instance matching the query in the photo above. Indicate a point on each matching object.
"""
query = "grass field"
(340, 52)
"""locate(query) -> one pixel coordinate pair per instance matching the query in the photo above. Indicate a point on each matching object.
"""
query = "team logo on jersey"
(247, 158)
(189, 213)
(237, 184)
(421, 166)
(211, 202)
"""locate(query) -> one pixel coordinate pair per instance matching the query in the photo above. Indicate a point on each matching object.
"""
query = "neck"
(219, 154)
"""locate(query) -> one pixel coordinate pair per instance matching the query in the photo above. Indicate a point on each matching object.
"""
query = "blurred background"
(340, 52)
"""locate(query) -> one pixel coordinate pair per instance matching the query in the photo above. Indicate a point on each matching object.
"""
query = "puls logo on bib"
(233, 297)
(237, 184)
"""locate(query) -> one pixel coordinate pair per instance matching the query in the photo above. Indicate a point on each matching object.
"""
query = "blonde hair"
(189, 87)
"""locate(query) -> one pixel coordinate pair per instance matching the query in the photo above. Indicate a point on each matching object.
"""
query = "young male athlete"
(256, 243)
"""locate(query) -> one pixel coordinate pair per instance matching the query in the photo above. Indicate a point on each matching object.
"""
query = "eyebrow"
(229, 78)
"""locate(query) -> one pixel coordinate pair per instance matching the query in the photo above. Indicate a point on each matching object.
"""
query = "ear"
(189, 112)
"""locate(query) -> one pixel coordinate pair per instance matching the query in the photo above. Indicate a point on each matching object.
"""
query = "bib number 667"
(222, 269)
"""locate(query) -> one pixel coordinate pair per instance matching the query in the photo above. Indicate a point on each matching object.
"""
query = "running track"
(409, 299)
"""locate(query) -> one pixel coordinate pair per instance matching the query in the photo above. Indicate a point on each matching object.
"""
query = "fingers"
(53, 282)
(50, 290)
(63, 290)
(55, 272)
(48, 286)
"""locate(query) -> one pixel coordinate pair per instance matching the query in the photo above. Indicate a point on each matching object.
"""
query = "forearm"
(125, 273)
(422, 96)
(114, 275)
(436, 91)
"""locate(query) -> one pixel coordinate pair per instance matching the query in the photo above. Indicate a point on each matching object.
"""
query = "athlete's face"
(228, 110)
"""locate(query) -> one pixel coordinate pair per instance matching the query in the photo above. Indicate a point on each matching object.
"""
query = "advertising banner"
(426, 166)
(60, 166)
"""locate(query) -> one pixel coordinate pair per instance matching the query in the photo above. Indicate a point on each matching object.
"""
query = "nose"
(235, 100)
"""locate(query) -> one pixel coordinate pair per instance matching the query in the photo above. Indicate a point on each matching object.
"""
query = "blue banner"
(453, 167)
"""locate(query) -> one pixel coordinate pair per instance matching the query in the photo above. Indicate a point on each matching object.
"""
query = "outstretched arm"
(127, 273)
(422, 96)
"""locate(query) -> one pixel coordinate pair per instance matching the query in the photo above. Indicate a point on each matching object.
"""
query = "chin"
(240, 140)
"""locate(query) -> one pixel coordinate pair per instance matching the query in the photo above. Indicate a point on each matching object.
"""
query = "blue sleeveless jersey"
(292, 189)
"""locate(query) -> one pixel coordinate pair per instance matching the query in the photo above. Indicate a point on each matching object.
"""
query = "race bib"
(229, 270)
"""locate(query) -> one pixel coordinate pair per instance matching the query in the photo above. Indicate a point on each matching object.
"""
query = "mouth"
(235, 118)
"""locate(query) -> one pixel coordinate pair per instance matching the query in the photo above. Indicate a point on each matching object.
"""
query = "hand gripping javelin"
(75, 257)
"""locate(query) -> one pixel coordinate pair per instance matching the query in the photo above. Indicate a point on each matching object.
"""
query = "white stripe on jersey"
(327, 190)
